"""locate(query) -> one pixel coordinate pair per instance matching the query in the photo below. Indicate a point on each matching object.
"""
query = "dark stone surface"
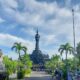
(37, 57)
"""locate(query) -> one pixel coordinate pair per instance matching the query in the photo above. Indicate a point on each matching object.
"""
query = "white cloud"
(34, 12)
(8, 41)
(68, 3)
(29, 31)
(1, 20)
(48, 39)
(9, 4)
(47, 16)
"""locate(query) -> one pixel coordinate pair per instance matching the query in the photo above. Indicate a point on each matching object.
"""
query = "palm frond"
(13, 47)
(24, 49)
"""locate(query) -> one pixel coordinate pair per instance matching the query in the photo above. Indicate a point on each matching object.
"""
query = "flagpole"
(73, 29)
(74, 41)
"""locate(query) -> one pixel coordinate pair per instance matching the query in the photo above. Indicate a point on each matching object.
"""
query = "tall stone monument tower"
(37, 56)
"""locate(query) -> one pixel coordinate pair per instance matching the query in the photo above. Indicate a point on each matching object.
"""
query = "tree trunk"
(19, 55)
(79, 60)
(66, 67)
(19, 60)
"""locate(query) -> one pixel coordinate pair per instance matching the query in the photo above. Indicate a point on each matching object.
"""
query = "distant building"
(37, 56)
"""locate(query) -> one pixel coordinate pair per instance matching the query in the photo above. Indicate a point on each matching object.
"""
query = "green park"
(37, 63)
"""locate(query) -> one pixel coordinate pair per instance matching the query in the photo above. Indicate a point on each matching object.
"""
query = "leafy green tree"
(27, 63)
(71, 63)
(11, 66)
(23, 60)
(18, 48)
(68, 49)
(15, 64)
(71, 67)
(53, 63)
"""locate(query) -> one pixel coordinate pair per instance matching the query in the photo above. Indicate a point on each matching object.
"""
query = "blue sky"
(19, 20)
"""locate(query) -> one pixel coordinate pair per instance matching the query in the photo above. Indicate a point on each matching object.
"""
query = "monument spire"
(37, 56)
(37, 30)
(37, 37)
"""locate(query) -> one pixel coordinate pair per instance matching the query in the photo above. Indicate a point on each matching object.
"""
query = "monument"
(37, 56)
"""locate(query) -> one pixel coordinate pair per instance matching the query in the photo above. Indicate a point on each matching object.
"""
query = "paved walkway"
(39, 76)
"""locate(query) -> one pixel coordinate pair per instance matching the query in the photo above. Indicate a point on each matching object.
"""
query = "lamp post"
(73, 30)
(74, 41)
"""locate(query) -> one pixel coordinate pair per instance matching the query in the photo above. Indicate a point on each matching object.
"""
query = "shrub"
(20, 74)
(27, 71)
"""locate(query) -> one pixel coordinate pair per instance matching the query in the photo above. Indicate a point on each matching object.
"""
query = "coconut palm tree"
(67, 48)
(24, 49)
(17, 47)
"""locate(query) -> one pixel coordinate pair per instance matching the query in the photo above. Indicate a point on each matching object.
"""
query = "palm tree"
(24, 49)
(17, 47)
(67, 49)
(78, 51)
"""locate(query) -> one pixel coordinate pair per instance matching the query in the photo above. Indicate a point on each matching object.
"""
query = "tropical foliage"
(53, 63)
(11, 65)
(24, 62)
(67, 49)
(78, 52)
(25, 59)
(17, 47)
